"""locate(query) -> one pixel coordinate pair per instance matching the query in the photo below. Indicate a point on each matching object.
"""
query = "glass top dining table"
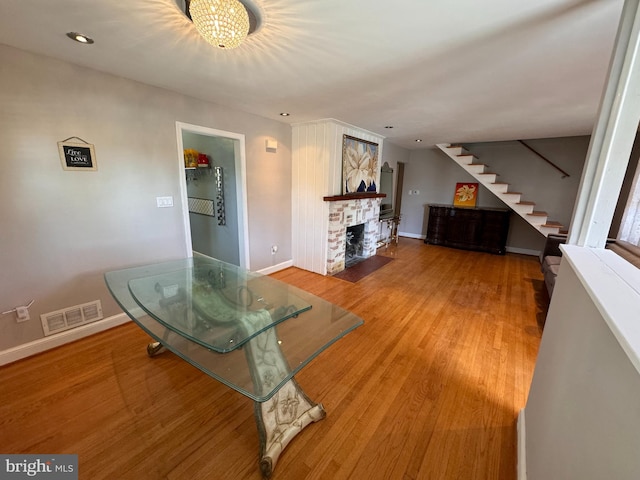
(210, 313)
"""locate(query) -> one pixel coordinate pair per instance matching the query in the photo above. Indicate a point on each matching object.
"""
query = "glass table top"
(215, 304)
(226, 320)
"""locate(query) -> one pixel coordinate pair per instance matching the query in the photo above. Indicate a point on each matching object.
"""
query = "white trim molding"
(412, 235)
(276, 268)
(521, 446)
(47, 343)
(241, 186)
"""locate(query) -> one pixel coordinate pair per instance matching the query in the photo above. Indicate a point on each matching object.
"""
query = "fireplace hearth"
(353, 231)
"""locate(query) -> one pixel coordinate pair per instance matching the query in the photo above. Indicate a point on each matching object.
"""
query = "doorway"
(214, 194)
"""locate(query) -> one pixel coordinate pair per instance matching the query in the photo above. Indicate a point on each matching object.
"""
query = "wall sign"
(77, 155)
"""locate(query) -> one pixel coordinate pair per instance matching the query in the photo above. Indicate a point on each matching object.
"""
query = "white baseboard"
(276, 268)
(523, 251)
(522, 451)
(412, 235)
(42, 344)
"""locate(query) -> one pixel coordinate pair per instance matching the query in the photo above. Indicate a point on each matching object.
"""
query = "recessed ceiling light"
(418, 140)
(80, 38)
(389, 126)
(284, 114)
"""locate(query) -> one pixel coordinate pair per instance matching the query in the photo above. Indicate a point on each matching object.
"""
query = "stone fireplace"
(350, 211)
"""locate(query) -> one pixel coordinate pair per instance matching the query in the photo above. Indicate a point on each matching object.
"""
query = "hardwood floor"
(429, 388)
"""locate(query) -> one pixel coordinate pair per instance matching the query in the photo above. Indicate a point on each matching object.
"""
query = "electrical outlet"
(164, 202)
(22, 314)
(274, 249)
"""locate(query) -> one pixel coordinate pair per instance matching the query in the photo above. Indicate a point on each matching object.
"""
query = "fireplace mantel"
(353, 196)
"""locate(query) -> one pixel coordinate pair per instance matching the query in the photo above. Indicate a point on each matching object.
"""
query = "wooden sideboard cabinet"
(481, 229)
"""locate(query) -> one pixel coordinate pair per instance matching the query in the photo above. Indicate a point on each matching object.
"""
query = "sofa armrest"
(552, 246)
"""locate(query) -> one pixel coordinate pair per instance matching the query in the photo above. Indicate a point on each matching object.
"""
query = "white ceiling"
(439, 70)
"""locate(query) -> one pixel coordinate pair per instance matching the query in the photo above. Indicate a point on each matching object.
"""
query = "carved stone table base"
(280, 419)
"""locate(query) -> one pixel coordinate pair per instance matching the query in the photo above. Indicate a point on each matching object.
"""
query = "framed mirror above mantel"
(386, 188)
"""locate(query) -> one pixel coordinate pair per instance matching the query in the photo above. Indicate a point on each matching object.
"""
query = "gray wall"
(62, 230)
(435, 175)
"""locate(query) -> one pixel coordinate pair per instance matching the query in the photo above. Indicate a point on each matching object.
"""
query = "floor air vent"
(71, 317)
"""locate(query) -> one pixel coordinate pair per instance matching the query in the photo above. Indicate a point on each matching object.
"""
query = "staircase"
(526, 210)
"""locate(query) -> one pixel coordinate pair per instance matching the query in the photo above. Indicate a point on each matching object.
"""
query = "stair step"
(476, 168)
(537, 219)
(488, 177)
(523, 208)
(550, 227)
(453, 150)
(467, 158)
(456, 149)
(499, 187)
(511, 197)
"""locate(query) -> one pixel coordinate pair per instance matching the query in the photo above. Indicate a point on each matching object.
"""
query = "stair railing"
(564, 174)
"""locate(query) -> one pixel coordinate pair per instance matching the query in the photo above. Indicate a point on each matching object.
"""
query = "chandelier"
(222, 23)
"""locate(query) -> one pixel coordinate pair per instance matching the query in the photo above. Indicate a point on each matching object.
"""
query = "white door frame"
(241, 187)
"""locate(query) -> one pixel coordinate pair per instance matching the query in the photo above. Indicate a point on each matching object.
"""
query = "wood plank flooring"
(429, 388)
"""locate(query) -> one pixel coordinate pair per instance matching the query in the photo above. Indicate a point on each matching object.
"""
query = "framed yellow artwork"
(465, 195)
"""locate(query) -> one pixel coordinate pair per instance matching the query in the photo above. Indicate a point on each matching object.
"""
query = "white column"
(612, 137)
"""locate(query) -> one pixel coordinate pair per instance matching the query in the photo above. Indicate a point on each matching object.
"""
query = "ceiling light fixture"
(389, 126)
(418, 140)
(80, 38)
(223, 23)
(284, 114)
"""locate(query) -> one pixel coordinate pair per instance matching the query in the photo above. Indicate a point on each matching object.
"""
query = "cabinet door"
(494, 231)
(437, 226)
(464, 228)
